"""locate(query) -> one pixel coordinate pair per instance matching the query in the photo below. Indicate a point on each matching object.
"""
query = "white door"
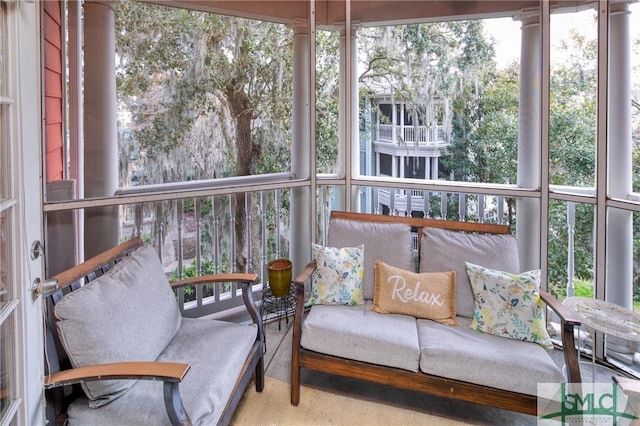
(21, 341)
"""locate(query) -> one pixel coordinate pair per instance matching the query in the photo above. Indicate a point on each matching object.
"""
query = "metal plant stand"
(277, 307)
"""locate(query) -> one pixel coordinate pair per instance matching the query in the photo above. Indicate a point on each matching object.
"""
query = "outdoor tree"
(422, 64)
(204, 96)
(443, 74)
(455, 61)
(572, 149)
(327, 100)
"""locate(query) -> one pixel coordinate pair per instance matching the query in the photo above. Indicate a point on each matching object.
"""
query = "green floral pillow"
(508, 305)
(337, 279)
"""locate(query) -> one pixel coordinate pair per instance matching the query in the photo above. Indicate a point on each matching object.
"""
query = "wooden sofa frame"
(59, 394)
(421, 382)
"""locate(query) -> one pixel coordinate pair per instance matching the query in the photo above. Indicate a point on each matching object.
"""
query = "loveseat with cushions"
(115, 327)
(414, 322)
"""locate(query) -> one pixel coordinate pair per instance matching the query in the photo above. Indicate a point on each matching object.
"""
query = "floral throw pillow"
(508, 305)
(337, 279)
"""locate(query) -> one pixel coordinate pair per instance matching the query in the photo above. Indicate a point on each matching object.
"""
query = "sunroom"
(225, 133)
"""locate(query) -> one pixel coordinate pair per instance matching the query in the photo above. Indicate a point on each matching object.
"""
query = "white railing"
(421, 135)
(196, 230)
(477, 207)
(431, 204)
(197, 236)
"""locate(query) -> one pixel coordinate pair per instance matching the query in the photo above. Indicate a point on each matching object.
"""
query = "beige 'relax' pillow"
(428, 295)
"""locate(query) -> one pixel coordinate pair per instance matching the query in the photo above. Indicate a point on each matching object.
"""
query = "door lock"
(37, 250)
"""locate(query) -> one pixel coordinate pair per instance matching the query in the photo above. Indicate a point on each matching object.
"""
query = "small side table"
(607, 318)
(282, 307)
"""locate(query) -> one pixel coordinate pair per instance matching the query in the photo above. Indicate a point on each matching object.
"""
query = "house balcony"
(423, 141)
(416, 135)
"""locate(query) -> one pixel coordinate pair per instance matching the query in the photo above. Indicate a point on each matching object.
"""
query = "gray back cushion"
(390, 242)
(128, 314)
(444, 250)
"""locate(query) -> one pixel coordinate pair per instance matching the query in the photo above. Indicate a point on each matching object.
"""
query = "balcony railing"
(194, 229)
(478, 208)
(421, 135)
(199, 235)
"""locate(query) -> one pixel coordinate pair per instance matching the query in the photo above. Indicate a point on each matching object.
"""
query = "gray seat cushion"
(471, 356)
(389, 242)
(358, 333)
(443, 250)
(216, 351)
(128, 314)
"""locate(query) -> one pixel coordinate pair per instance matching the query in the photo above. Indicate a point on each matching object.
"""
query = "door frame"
(24, 78)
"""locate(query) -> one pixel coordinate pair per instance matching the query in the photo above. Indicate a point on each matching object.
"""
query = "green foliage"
(423, 63)
(572, 127)
(327, 101)
(558, 242)
(207, 267)
(485, 130)
(189, 205)
(485, 146)
(581, 288)
(202, 96)
(636, 257)
(180, 76)
(485, 107)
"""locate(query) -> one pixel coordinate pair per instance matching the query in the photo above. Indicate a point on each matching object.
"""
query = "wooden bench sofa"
(420, 354)
(120, 352)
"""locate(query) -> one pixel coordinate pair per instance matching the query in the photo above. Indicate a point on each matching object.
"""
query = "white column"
(427, 168)
(619, 239)
(355, 122)
(434, 168)
(401, 121)
(300, 237)
(76, 125)
(394, 166)
(368, 147)
(349, 137)
(394, 120)
(100, 124)
(529, 140)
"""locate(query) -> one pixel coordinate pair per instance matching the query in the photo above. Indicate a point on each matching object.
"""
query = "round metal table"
(607, 318)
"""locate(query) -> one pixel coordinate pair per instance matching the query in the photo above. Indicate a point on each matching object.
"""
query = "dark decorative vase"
(279, 276)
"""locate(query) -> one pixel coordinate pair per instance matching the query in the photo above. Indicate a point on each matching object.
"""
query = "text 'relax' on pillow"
(508, 305)
(428, 295)
(337, 279)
